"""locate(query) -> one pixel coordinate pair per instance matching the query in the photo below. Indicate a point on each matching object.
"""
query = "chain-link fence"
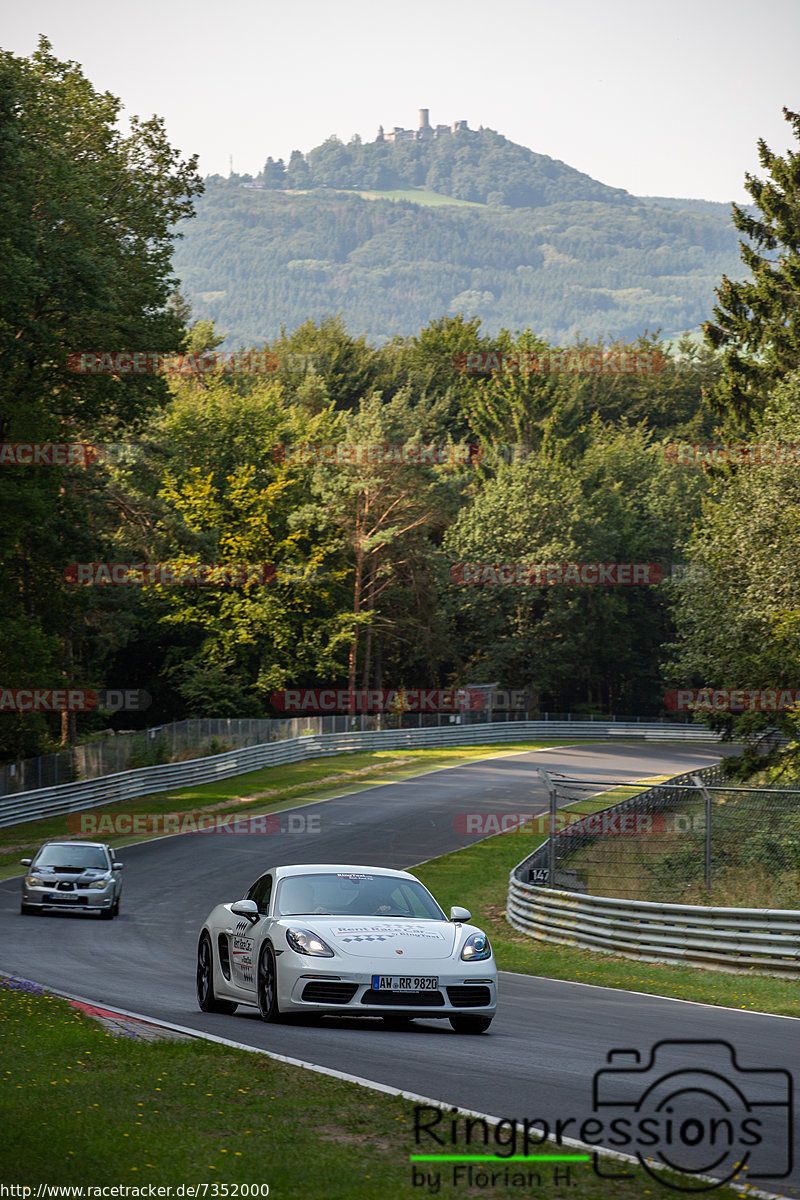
(698, 840)
(161, 744)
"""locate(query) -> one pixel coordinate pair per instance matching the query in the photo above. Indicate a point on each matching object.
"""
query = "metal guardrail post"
(697, 781)
(551, 841)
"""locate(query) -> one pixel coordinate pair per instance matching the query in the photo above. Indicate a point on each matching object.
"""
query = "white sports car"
(355, 941)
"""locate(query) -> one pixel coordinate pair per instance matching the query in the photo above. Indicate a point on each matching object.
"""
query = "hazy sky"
(662, 100)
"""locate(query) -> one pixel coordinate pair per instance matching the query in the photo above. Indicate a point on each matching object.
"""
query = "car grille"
(407, 999)
(321, 991)
(469, 995)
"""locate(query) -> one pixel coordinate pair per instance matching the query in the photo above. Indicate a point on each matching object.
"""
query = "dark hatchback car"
(72, 876)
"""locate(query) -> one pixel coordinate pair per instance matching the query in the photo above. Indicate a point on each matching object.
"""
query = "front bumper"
(51, 897)
(465, 988)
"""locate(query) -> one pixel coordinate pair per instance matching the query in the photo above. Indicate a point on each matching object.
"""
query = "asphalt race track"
(549, 1037)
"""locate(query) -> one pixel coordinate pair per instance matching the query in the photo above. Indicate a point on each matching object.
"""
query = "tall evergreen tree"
(757, 322)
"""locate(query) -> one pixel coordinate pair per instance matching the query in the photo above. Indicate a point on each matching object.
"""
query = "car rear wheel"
(470, 1024)
(267, 985)
(206, 999)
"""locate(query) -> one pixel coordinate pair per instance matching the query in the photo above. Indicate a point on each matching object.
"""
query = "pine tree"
(757, 323)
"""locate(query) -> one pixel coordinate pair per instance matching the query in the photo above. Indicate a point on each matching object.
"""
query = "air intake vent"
(469, 995)
(319, 991)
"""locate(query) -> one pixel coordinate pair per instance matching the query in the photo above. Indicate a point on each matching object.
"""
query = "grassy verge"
(82, 1106)
(478, 878)
(267, 790)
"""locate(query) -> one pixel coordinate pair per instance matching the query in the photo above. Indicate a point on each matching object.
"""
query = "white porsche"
(352, 941)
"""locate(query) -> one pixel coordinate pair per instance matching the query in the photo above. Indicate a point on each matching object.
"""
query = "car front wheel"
(206, 999)
(268, 985)
(470, 1024)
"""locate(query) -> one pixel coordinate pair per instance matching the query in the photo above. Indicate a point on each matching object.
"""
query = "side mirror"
(117, 866)
(26, 862)
(245, 908)
(459, 914)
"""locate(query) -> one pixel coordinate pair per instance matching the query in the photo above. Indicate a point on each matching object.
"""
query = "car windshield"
(353, 894)
(64, 855)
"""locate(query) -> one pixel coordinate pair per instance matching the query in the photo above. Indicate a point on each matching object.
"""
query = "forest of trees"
(256, 261)
(364, 550)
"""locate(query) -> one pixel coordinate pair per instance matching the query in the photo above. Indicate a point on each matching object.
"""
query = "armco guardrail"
(144, 781)
(124, 750)
(728, 938)
(732, 939)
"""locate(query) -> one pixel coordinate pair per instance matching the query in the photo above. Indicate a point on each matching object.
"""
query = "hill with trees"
(395, 234)
(579, 264)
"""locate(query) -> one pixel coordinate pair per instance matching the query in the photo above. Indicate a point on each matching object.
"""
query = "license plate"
(405, 983)
(70, 897)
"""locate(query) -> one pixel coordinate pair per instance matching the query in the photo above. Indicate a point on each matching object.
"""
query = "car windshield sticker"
(363, 933)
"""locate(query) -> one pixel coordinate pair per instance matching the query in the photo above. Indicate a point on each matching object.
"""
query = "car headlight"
(99, 884)
(305, 942)
(476, 948)
(34, 881)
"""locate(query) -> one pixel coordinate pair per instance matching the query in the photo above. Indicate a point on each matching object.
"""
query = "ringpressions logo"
(686, 1106)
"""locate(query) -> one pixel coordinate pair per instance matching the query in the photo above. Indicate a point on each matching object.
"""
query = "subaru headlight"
(34, 881)
(99, 884)
(476, 948)
(305, 942)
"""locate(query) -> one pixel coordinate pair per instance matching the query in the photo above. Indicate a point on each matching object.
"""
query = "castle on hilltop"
(425, 132)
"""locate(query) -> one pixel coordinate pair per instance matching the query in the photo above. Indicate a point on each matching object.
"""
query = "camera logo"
(694, 1109)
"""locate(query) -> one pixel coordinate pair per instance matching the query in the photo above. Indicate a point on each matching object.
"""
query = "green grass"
(416, 196)
(267, 790)
(82, 1106)
(478, 878)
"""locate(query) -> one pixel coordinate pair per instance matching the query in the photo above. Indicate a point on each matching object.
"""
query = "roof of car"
(337, 869)
(57, 842)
